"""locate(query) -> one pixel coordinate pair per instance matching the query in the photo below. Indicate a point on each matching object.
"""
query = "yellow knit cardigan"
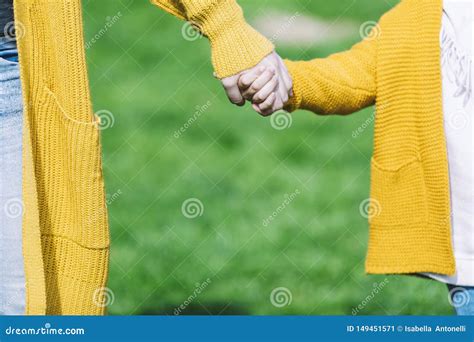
(397, 67)
(65, 229)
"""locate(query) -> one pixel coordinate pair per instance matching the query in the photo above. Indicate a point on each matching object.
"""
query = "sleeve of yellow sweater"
(235, 45)
(342, 83)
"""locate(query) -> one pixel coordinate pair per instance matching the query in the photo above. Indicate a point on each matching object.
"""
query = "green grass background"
(240, 168)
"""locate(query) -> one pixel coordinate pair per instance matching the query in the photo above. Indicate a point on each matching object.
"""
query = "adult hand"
(259, 83)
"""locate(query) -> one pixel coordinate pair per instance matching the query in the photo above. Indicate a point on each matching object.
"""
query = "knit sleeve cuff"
(296, 99)
(235, 45)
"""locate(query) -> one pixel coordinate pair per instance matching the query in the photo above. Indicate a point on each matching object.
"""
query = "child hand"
(268, 85)
(260, 86)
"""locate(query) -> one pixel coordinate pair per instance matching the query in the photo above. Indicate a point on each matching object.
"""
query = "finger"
(288, 91)
(258, 84)
(255, 107)
(277, 105)
(233, 91)
(285, 75)
(266, 107)
(282, 90)
(249, 77)
(288, 83)
(265, 92)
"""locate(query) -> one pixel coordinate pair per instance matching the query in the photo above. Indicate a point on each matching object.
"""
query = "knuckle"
(234, 99)
(227, 83)
(247, 96)
(243, 83)
(253, 89)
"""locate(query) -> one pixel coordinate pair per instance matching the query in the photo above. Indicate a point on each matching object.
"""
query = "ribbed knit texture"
(65, 231)
(66, 238)
(235, 45)
(397, 67)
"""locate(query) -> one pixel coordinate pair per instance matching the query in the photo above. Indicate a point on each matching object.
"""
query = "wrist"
(236, 46)
(295, 100)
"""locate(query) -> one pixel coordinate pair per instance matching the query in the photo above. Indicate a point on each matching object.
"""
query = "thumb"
(232, 89)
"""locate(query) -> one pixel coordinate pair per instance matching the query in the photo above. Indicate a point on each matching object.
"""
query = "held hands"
(268, 86)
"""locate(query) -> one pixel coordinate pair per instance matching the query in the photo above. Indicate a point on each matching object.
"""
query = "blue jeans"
(462, 299)
(12, 278)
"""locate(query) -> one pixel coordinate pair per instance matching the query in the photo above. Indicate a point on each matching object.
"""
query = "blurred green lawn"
(240, 168)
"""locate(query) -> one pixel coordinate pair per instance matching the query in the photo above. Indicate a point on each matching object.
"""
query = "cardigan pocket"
(397, 196)
(71, 192)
